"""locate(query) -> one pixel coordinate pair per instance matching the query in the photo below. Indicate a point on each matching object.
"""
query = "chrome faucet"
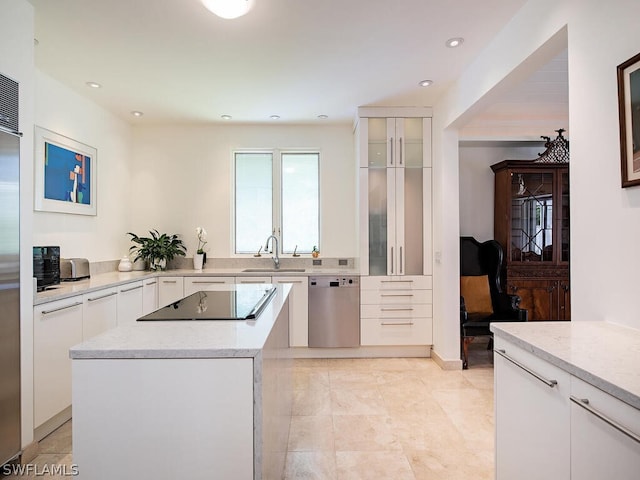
(276, 259)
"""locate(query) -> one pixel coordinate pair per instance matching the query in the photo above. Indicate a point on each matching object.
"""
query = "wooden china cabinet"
(532, 224)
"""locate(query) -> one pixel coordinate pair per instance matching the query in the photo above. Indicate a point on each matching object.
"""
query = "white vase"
(197, 261)
(125, 264)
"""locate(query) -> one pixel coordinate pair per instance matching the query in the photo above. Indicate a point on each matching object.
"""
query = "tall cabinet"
(394, 148)
(531, 222)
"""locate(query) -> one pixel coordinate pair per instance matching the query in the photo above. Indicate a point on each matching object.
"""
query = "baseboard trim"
(53, 423)
(446, 364)
(413, 351)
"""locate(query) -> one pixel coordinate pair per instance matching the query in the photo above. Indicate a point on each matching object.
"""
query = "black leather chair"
(481, 263)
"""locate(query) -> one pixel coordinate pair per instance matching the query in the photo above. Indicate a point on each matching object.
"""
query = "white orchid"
(202, 239)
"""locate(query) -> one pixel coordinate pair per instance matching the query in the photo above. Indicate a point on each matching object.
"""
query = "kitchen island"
(185, 399)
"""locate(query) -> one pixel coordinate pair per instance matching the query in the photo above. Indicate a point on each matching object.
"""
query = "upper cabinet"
(395, 191)
(531, 223)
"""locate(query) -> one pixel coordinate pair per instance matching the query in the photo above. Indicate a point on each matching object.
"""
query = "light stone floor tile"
(311, 433)
(364, 433)
(428, 424)
(357, 401)
(373, 466)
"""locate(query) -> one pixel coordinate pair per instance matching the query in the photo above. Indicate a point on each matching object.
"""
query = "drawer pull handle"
(210, 282)
(400, 309)
(549, 383)
(397, 295)
(151, 283)
(102, 296)
(584, 403)
(169, 281)
(47, 312)
(125, 290)
(395, 323)
(250, 281)
(288, 281)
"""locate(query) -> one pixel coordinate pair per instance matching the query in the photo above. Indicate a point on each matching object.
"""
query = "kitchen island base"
(196, 400)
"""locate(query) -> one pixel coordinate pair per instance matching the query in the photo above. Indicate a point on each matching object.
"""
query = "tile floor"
(396, 418)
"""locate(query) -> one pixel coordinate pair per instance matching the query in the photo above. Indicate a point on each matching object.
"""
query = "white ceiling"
(176, 62)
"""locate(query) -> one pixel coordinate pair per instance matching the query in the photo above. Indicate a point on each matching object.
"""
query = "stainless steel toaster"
(74, 269)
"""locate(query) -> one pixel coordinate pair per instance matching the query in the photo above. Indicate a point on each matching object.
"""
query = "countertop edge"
(76, 353)
(583, 374)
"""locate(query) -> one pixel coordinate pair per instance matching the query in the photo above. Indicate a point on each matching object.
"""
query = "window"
(277, 192)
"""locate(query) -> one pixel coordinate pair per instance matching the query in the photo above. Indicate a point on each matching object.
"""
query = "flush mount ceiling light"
(454, 42)
(228, 8)
(93, 85)
(137, 113)
(425, 83)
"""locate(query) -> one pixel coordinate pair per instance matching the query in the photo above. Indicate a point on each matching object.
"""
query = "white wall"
(99, 237)
(182, 179)
(16, 62)
(477, 184)
(605, 219)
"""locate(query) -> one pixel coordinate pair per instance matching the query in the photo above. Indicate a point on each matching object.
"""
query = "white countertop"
(112, 279)
(187, 339)
(603, 354)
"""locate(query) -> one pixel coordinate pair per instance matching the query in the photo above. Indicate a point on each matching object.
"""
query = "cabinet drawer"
(198, 284)
(396, 297)
(406, 282)
(170, 289)
(395, 331)
(605, 435)
(396, 311)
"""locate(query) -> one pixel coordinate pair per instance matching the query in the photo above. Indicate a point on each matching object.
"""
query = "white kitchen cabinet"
(57, 326)
(130, 302)
(170, 289)
(149, 296)
(99, 311)
(396, 310)
(298, 310)
(532, 416)
(201, 283)
(605, 435)
(395, 195)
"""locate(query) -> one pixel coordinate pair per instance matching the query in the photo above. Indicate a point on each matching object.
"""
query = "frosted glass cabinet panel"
(395, 142)
(411, 255)
(378, 219)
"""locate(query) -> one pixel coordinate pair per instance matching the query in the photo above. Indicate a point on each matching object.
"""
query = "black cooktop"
(239, 304)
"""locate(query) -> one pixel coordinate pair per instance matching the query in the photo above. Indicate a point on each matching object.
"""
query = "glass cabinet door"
(563, 217)
(377, 142)
(412, 142)
(532, 216)
(378, 220)
(410, 229)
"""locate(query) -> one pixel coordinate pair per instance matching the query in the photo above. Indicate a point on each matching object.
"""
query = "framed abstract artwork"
(629, 110)
(65, 174)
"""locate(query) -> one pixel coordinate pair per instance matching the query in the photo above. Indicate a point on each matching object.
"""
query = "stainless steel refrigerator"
(9, 295)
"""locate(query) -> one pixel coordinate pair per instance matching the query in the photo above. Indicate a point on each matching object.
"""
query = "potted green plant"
(157, 249)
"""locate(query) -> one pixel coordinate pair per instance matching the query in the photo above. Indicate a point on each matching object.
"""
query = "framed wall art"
(629, 110)
(65, 174)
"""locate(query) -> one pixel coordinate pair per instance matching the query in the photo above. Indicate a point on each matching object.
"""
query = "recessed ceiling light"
(225, 117)
(454, 42)
(137, 113)
(425, 83)
(323, 117)
(274, 117)
(94, 85)
(228, 8)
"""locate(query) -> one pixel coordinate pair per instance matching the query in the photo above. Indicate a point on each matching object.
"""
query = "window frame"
(277, 195)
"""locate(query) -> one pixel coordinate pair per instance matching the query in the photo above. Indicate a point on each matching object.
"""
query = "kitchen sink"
(273, 270)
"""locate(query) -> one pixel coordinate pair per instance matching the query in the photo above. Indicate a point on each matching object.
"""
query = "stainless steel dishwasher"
(334, 311)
